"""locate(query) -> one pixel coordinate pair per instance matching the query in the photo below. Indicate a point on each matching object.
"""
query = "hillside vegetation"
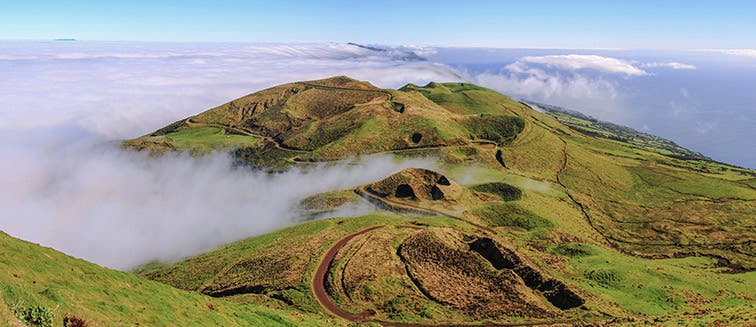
(42, 279)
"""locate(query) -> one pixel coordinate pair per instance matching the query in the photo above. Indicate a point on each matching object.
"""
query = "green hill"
(38, 277)
(529, 219)
(335, 118)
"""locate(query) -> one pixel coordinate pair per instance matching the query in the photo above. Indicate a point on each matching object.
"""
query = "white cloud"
(575, 62)
(591, 83)
(120, 90)
(595, 96)
(734, 52)
(115, 50)
(564, 80)
(120, 208)
(671, 64)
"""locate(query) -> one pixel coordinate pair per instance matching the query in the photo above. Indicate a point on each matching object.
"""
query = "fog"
(122, 208)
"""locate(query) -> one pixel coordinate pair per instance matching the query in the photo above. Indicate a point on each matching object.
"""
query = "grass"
(505, 191)
(657, 287)
(202, 140)
(499, 129)
(265, 157)
(34, 276)
(330, 122)
(305, 244)
(510, 214)
(464, 98)
(636, 186)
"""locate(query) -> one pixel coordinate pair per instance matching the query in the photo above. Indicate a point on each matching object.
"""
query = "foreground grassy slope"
(36, 276)
(371, 279)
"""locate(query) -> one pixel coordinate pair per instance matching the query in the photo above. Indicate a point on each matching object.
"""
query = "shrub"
(37, 315)
(505, 191)
(497, 128)
(573, 250)
(73, 321)
(604, 277)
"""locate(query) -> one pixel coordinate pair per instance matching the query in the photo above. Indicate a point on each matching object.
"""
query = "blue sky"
(551, 24)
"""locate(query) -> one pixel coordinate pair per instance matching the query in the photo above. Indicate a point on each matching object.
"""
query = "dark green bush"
(36, 315)
(573, 250)
(505, 191)
(498, 128)
(604, 277)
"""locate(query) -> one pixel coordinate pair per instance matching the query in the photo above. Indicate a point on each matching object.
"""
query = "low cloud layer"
(734, 52)
(120, 90)
(576, 62)
(586, 82)
(578, 81)
(121, 208)
(671, 64)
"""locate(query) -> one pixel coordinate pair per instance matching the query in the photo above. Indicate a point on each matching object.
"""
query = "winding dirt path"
(318, 281)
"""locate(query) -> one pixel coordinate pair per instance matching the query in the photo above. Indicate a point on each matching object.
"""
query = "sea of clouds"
(64, 106)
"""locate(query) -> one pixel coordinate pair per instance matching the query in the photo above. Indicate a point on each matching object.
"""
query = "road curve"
(318, 282)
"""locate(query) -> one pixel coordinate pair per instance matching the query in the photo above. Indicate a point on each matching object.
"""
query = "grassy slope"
(205, 139)
(617, 284)
(590, 126)
(305, 244)
(645, 201)
(32, 274)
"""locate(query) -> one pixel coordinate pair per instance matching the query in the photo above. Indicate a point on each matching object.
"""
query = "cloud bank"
(576, 62)
(671, 64)
(588, 82)
(121, 208)
(734, 52)
(591, 83)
